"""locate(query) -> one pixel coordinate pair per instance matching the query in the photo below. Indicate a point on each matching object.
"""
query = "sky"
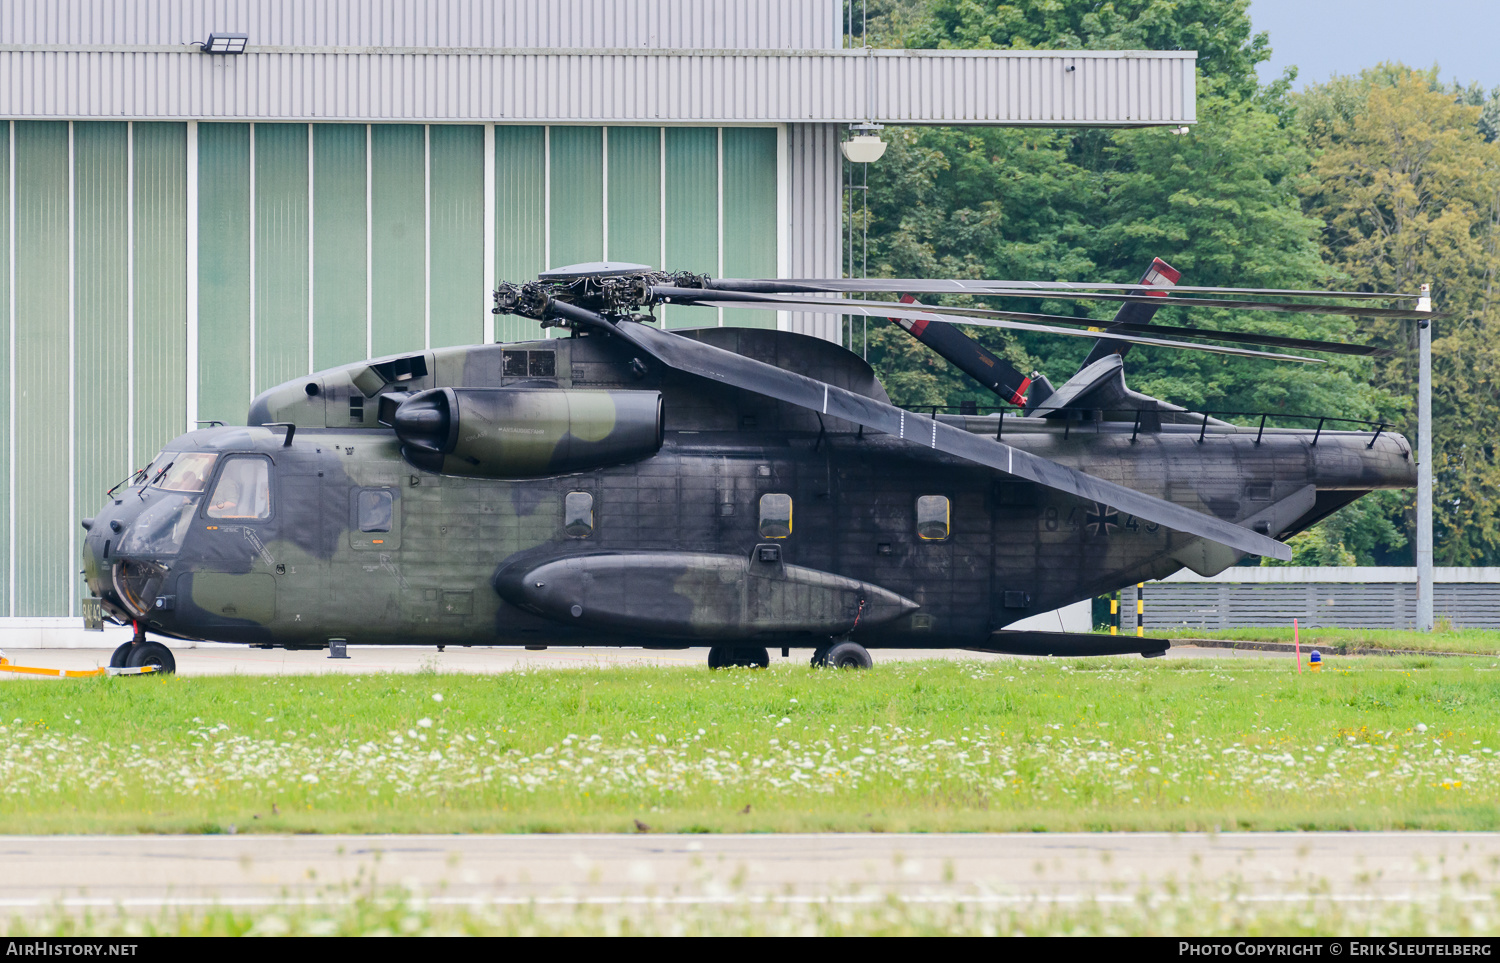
(1327, 37)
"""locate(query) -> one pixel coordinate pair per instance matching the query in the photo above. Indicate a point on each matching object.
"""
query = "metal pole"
(1424, 465)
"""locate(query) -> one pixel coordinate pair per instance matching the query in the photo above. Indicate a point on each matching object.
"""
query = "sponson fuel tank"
(697, 595)
(524, 432)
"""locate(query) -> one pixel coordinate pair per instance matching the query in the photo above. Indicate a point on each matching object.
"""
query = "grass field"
(1142, 915)
(1390, 743)
(1472, 641)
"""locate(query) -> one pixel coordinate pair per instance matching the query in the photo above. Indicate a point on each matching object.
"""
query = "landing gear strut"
(140, 652)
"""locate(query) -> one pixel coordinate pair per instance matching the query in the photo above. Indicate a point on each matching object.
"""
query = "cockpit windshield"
(186, 471)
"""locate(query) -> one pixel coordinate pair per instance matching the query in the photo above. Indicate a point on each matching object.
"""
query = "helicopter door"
(239, 583)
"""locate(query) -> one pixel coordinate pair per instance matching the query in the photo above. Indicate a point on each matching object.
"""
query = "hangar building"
(183, 228)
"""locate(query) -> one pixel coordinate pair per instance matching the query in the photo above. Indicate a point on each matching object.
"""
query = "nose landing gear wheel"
(142, 654)
(747, 657)
(118, 656)
(849, 655)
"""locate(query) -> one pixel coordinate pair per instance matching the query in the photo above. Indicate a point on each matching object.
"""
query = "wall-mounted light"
(864, 147)
(1177, 130)
(224, 43)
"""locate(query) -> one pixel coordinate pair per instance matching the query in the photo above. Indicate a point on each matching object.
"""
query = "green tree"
(1409, 188)
(1222, 203)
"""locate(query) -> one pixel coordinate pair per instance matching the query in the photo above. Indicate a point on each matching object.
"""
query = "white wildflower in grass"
(437, 697)
(906, 736)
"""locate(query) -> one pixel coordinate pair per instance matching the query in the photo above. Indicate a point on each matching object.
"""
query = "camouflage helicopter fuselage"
(626, 531)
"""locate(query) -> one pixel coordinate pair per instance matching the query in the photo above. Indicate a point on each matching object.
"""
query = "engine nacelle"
(524, 432)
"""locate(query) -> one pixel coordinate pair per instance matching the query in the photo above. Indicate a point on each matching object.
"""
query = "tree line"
(1377, 182)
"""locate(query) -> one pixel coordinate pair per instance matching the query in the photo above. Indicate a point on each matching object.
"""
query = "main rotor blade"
(726, 367)
(1031, 288)
(994, 319)
(864, 307)
(1269, 340)
(1162, 301)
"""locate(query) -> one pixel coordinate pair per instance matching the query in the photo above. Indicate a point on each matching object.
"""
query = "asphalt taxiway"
(219, 659)
(50, 873)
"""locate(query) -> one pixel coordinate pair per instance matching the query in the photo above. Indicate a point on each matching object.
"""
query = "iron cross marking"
(1101, 520)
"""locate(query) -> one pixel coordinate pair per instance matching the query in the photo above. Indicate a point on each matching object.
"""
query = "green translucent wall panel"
(692, 176)
(101, 193)
(398, 162)
(281, 248)
(312, 190)
(520, 213)
(339, 261)
(160, 244)
(223, 272)
(577, 195)
(43, 521)
(750, 214)
(6, 565)
(635, 195)
(459, 299)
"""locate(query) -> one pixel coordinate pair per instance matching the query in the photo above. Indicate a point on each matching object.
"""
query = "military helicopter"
(741, 488)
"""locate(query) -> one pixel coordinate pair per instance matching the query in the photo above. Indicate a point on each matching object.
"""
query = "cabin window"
(775, 516)
(933, 513)
(376, 509)
(578, 514)
(243, 490)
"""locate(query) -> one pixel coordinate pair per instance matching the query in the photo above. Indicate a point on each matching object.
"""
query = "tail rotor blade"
(1159, 275)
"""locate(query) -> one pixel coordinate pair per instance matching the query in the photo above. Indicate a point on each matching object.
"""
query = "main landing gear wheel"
(118, 657)
(143, 654)
(820, 657)
(742, 656)
(848, 655)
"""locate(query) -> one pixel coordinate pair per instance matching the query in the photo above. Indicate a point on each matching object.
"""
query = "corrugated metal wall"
(652, 24)
(1217, 605)
(316, 245)
(550, 86)
(814, 164)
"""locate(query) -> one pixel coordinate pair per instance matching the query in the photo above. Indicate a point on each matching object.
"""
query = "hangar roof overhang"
(1117, 88)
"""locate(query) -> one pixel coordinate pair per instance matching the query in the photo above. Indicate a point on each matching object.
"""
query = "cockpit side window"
(185, 471)
(243, 489)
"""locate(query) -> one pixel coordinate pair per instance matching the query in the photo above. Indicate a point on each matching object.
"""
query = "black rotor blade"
(990, 319)
(1172, 331)
(1162, 301)
(1033, 289)
(1269, 340)
(726, 367)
